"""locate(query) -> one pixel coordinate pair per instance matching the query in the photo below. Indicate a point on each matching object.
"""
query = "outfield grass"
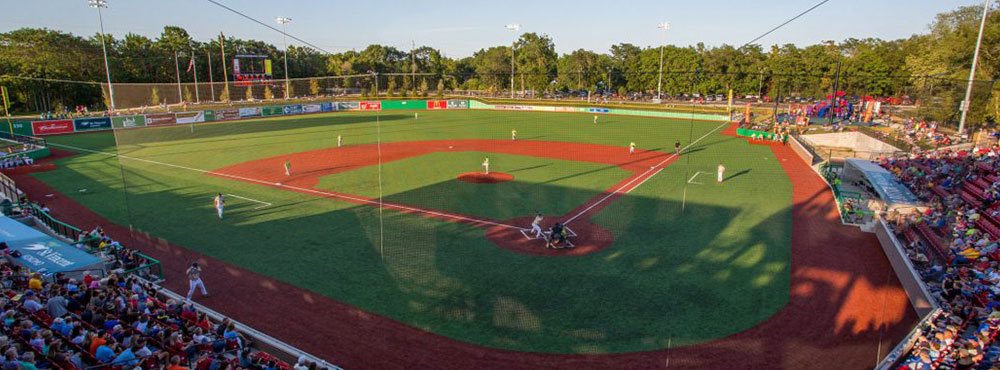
(691, 262)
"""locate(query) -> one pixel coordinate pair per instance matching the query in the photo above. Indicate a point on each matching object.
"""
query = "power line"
(268, 26)
(780, 25)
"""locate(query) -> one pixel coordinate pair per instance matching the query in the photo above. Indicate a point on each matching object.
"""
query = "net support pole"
(972, 71)
(211, 83)
(177, 71)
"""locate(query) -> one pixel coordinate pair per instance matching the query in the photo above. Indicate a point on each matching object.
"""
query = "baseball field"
(665, 255)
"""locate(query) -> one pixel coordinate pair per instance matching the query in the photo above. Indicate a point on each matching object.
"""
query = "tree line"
(929, 68)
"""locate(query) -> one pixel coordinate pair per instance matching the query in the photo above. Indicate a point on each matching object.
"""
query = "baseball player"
(536, 225)
(288, 168)
(631, 148)
(677, 147)
(219, 203)
(340, 141)
(513, 135)
(416, 115)
(595, 120)
(194, 280)
(486, 165)
(722, 171)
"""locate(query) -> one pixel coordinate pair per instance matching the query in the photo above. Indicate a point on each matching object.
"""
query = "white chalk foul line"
(691, 180)
(304, 190)
(641, 176)
(263, 203)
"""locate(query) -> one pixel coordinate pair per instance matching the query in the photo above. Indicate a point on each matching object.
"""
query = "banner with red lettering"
(370, 105)
(52, 127)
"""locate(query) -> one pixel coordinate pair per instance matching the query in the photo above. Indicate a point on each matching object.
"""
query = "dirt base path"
(846, 307)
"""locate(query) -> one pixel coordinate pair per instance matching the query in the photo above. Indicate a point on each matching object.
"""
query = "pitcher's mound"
(482, 178)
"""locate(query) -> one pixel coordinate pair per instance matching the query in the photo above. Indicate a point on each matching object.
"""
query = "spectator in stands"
(56, 306)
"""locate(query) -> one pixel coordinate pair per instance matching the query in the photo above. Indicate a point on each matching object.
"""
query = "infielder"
(513, 135)
(194, 280)
(677, 147)
(486, 165)
(722, 171)
(219, 203)
(536, 225)
(288, 168)
(631, 148)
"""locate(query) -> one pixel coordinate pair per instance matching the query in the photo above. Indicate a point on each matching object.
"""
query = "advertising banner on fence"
(348, 105)
(160, 119)
(52, 127)
(292, 109)
(403, 104)
(272, 111)
(191, 117)
(128, 121)
(513, 107)
(437, 104)
(250, 112)
(22, 128)
(598, 110)
(458, 104)
(311, 108)
(227, 114)
(370, 105)
(91, 124)
(565, 109)
(327, 107)
(209, 115)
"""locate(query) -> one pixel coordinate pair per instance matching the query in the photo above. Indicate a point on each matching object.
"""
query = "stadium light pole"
(972, 71)
(283, 21)
(515, 28)
(107, 68)
(665, 26)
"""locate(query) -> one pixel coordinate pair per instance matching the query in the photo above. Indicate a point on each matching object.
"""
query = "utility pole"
(100, 4)
(972, 71)
(211, 82)
(515, 28)
(663, 26)
(836, 86)
(177, 68)
(225, 73)
(283, 21)
(194, 65)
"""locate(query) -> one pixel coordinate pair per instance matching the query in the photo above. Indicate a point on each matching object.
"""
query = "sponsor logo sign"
(160, 119)
(598, 110)
(348, 105)
(89, 124)
(514, 107)
(437, 104)
(272, 111)
(227, 114)
(250, 112)
(327, 107)
(458, 104)
(128, 121)
(370, 105)
(292, 109)
(52, 127)
(311, 108)
(191, 117)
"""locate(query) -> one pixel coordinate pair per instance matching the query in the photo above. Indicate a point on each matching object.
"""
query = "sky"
(460, 28)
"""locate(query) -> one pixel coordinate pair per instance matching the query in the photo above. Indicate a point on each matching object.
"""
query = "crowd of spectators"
(115, 321)
(953, 244)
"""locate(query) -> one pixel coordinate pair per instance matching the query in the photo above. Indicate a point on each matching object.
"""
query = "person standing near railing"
(194, 280)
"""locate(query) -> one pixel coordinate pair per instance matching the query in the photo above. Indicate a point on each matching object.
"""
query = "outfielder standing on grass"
(288, 168)
(595, 120)
(513, 134)
(340, 141)
(722, 171)
(486, 165)
(194, 280)
(219, 203)
(631, 148)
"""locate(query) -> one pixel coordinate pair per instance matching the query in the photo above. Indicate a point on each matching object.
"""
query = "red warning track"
(308, 167)
(846, 308)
